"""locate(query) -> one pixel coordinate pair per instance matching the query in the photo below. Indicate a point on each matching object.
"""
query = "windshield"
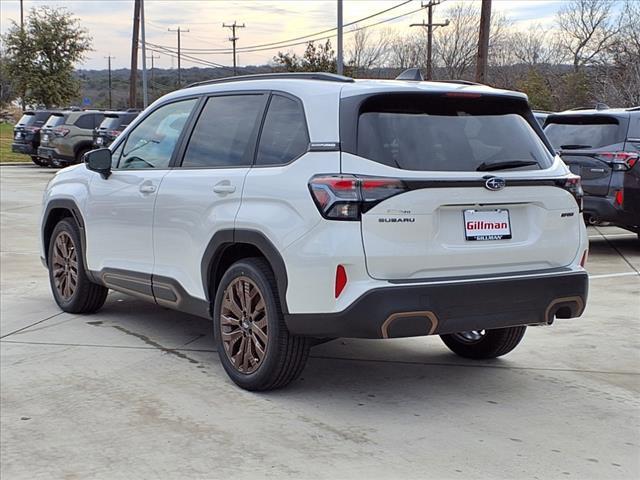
(449, 134)
(55, 120)
(584, 132)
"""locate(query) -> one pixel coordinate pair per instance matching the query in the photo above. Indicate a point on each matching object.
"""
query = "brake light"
(462, 95)
(32, 129)
(113, 133)
(620, 160)
(341, 280)
(619, 198)
(573, 185)
(60, 132)
(346, 197)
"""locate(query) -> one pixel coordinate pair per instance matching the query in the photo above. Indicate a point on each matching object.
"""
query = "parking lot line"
(610, 275)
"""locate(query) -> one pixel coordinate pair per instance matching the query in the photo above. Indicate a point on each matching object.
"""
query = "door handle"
(147, 188)
(224, 187)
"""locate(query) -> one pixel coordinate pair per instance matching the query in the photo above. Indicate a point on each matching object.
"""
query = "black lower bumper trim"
(417, 310)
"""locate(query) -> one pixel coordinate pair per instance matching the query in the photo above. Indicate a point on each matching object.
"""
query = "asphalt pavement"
(136, 391)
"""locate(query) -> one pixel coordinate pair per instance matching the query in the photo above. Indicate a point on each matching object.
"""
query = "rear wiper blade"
(488, 167)
(574, 146)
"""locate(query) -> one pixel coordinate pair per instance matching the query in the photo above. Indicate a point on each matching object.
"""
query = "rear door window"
(85, 121)
(582, 132)
(439, 133)
(224, 135)
(284, 135)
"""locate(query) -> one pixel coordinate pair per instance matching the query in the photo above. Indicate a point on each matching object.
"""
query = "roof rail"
(633, 109)
(326, 77)
(461, 82)
(597, 106)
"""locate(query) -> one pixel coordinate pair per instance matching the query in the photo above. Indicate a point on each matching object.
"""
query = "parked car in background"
(69, 141)
(292, 208)
(46, 133)
(111, 126)
(602, 145)
(541, 116)
(26, 133)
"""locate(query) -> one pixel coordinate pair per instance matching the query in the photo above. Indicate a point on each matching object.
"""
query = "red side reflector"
(341, 279)
(619, 197)
(583, 260)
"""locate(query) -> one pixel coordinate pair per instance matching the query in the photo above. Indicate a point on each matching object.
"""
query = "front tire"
(253, 342)
(484, 344)
(71, 287)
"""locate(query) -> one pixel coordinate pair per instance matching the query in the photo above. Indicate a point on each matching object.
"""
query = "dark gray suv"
(602, 145)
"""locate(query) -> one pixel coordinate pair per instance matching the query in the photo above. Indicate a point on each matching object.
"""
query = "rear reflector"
(341, 280)
(583, 260)
(619, 199)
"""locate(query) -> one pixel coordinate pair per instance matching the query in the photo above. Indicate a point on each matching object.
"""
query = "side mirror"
(99, 161)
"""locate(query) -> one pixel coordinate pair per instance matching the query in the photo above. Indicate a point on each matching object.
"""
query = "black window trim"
(184, 143)
(123, 139)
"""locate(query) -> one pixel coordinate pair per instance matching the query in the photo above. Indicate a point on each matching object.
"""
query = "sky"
(109, 22)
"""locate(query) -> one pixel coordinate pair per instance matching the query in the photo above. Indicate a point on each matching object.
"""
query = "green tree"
(537, 88)
(40, 60)
(316, 58)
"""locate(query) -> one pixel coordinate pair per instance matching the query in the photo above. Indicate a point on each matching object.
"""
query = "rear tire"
(81, 153)
(38, 161)
(71, 287)
(490, 344)
(253, 342)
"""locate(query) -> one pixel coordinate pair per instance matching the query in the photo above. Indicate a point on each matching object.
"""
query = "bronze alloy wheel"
(243, 325)
(65, 265)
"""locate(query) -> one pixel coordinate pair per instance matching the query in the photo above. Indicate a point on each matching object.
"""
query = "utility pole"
(233, 39)
(133, 78)
(145, 91)
(109, 63)
(21, 16)
(430, 26)
(153, 81)
(180, 32)
(340, 61)
(483, 41)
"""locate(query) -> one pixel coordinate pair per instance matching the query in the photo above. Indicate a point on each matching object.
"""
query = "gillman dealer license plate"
(487, 224)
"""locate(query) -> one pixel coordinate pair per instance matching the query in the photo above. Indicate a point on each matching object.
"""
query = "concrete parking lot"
(137, 391)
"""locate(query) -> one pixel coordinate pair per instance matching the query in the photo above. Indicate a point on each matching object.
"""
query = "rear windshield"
(55, 120)
(116, 122)
(438, 133)
(34, 118)
(584, 132)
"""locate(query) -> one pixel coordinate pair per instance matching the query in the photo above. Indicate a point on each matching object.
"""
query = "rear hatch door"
(472, 188)
(584, 141)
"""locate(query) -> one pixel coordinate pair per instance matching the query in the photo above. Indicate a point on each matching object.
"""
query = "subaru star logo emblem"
(495, 184)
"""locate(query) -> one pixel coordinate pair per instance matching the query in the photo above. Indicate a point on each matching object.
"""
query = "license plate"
(45, 138)
(99, 141)
(487, 224)
(18, 135)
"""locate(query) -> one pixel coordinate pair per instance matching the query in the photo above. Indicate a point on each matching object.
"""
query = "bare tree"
(408, 51)
(535, 46)
(455, 46)
(368, 49)
(588, 30)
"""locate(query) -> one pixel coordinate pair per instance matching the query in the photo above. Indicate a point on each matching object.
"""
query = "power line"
(233, 39)
(172, 53)
(250, 48)
(430, 26)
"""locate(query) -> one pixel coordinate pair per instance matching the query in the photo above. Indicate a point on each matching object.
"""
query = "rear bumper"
(604, 209)
(439, 308)
(25, 148)
(51, 153)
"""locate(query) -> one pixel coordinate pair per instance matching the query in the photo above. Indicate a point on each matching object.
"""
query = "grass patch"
(6, 137)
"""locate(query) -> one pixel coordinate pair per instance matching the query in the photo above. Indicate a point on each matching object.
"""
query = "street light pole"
(340, 61)
(145, 91)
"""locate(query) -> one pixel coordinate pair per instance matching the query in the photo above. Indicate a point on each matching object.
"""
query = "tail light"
(346, 197)
(620, 161)
(60, 132)
(113, 133)
(573, 185)
(32, 129)
(583, 260)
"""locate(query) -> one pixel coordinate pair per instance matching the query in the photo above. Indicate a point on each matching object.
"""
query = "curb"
(16, 164)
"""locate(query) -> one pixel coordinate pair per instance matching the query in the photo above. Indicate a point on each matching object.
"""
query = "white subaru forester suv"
(296, 208)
